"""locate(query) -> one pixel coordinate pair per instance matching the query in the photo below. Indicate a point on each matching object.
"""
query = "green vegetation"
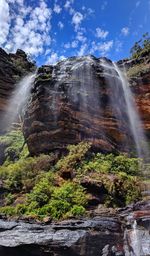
(36, 187)
(138, 70)
(141, 48)
(110, 163)
(22, 175)
(13, 146)
(43, 77)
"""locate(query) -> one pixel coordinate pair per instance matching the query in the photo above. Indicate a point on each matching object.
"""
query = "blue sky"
(50, 30)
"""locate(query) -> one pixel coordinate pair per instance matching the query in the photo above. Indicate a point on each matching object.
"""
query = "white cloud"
(67, 45)
(82, 50)
(137, 3)
(54, 58)
(20, 2)
(102, 48)
(30, 30)
(125, 31)
(4, 21)
(105, 47)
(90, 11)
(60, 25)
(68, 4)
(104, 5)
(80, 37)
(101, 33)
(57, 9)
(73, 44)
(77, 19)
(118, 45)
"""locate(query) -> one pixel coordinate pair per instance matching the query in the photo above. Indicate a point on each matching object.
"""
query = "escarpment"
(80, 98)
(76, 100)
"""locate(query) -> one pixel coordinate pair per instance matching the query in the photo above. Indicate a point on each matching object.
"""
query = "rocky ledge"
(124, 235)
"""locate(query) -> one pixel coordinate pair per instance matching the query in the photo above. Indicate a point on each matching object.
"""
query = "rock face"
(12, 68)
(139, 79)
(141, 90)
(77, 99)
(82, 237)
(103, 236)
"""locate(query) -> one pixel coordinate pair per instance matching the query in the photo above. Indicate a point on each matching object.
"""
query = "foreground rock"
(127, 234)
(83, 237)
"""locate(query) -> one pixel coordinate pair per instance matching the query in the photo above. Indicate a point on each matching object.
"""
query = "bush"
(41, 193)
(77, 210)
(110, 164)
(57, 202)
(13, 144)
(7, 210)
(22, 175)
(74, 157)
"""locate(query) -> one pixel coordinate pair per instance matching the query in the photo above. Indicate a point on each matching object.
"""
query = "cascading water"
(134, 119)
(18, 101)
(79, 79)
(136, 239)
(124, 107)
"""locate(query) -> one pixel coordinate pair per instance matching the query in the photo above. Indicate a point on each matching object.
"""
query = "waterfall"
(84, 86)
(136, 240)
(134, 119)
(18, 100)
(124, 106)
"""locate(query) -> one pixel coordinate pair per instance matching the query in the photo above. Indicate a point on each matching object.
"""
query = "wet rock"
(83, 237)
(122, 235)
(12, 68)
(71, 102)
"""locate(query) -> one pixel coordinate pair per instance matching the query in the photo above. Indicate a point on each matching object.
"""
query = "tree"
(142, 47)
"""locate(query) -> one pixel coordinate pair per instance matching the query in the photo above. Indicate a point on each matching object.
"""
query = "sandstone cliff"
(77, 99)
(82, 99)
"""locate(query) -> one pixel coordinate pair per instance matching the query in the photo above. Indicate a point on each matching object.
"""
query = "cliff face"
(138, 71)
(12, 68)
(77, 99)
(141, 89)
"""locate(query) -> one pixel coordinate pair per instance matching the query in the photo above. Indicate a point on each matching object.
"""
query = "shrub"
(9, 199)
(110, 164)
(74, 157)
(23, 174)
(7, 210)
(58, 202)
(42, 191)
(14, 148)
(77, 210)
(123, 163)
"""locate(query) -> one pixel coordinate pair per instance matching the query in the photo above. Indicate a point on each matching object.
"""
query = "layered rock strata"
(77, 99)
